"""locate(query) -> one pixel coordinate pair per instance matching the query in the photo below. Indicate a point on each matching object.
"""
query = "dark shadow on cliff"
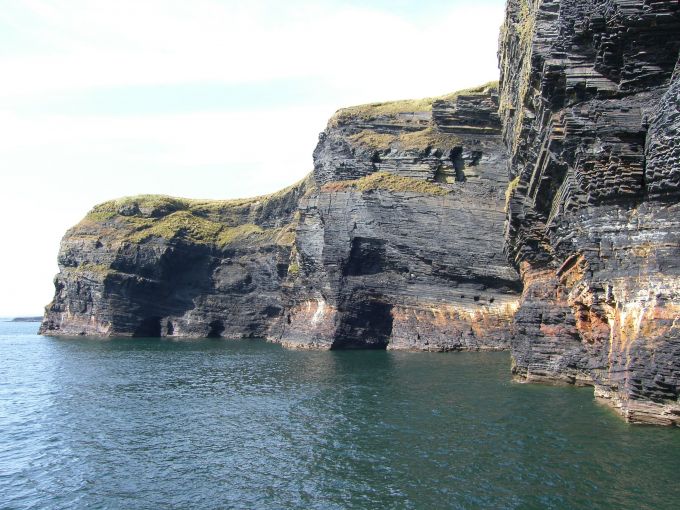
(367, 256)
(366, 325)
(148, 328)
(168, 287)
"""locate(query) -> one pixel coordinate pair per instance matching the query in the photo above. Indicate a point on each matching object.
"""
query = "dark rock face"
(590, 111)
(396, 241)
(400, 245)
(158, 266)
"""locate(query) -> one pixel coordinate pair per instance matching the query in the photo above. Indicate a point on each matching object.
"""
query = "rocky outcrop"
(590, 112)
(161, 266)
(400, 245)
(396, 240)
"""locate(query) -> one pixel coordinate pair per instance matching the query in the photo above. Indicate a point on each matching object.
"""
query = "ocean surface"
(159, 424)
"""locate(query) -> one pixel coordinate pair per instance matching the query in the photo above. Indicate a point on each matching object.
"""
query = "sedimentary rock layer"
(400, 246)
(590, 113)
(161, 266)
(396, 240)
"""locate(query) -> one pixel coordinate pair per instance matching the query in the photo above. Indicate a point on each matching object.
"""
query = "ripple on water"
(217, 424)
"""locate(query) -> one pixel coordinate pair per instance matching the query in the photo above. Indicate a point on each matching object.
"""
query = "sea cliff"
(590, 112)
(394, 241)
(538, 214)
(400, 245)
(162, 266)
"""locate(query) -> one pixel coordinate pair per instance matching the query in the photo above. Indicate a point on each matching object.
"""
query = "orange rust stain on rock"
(573, 271)
(659, 321)
(554, 330)
(591, 324)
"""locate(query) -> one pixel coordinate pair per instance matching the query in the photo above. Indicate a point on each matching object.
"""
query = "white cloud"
(94, 44)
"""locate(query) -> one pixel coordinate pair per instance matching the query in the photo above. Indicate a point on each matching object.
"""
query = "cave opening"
(216, 329)
(456, 157)
(366, 325)
(367, 256)
(150, 327)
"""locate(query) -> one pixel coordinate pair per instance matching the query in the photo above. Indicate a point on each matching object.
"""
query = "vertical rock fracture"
(590, 112)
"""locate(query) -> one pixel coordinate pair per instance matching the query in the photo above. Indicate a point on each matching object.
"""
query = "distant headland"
(25, 319)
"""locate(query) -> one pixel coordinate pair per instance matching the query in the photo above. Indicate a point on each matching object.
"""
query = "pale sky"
(196, 98)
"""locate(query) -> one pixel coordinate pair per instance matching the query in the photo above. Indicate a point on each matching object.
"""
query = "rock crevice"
(589, 103)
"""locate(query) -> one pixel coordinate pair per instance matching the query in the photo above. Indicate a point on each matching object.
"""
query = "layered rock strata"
(590, 112)
(160, 266)
(396, 240)
(400, 246)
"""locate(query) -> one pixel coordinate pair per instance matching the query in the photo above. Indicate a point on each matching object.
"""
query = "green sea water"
(135, 423)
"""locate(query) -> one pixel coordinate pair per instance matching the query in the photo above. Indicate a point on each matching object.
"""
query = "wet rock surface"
(589, 104)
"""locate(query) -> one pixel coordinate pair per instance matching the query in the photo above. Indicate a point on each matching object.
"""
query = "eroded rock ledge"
(401, 244)
(395, 241)
(590, 112)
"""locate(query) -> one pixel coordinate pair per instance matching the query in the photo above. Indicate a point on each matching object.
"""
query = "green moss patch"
(387, 181)
(429, 137)
(241, 233)
(294, 263)
(512, 186)
(219, 222)
(88, 270)
(157, 206)
(422, 139)
(180, 224)
(373, 139)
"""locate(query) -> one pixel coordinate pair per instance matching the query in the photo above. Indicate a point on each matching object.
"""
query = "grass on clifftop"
(181, 223)
(372, 110)
(389, 182)
(393, 108)
(219, 222)
(198, 230)
(428, 136)
(490, 86)
(155, 206)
